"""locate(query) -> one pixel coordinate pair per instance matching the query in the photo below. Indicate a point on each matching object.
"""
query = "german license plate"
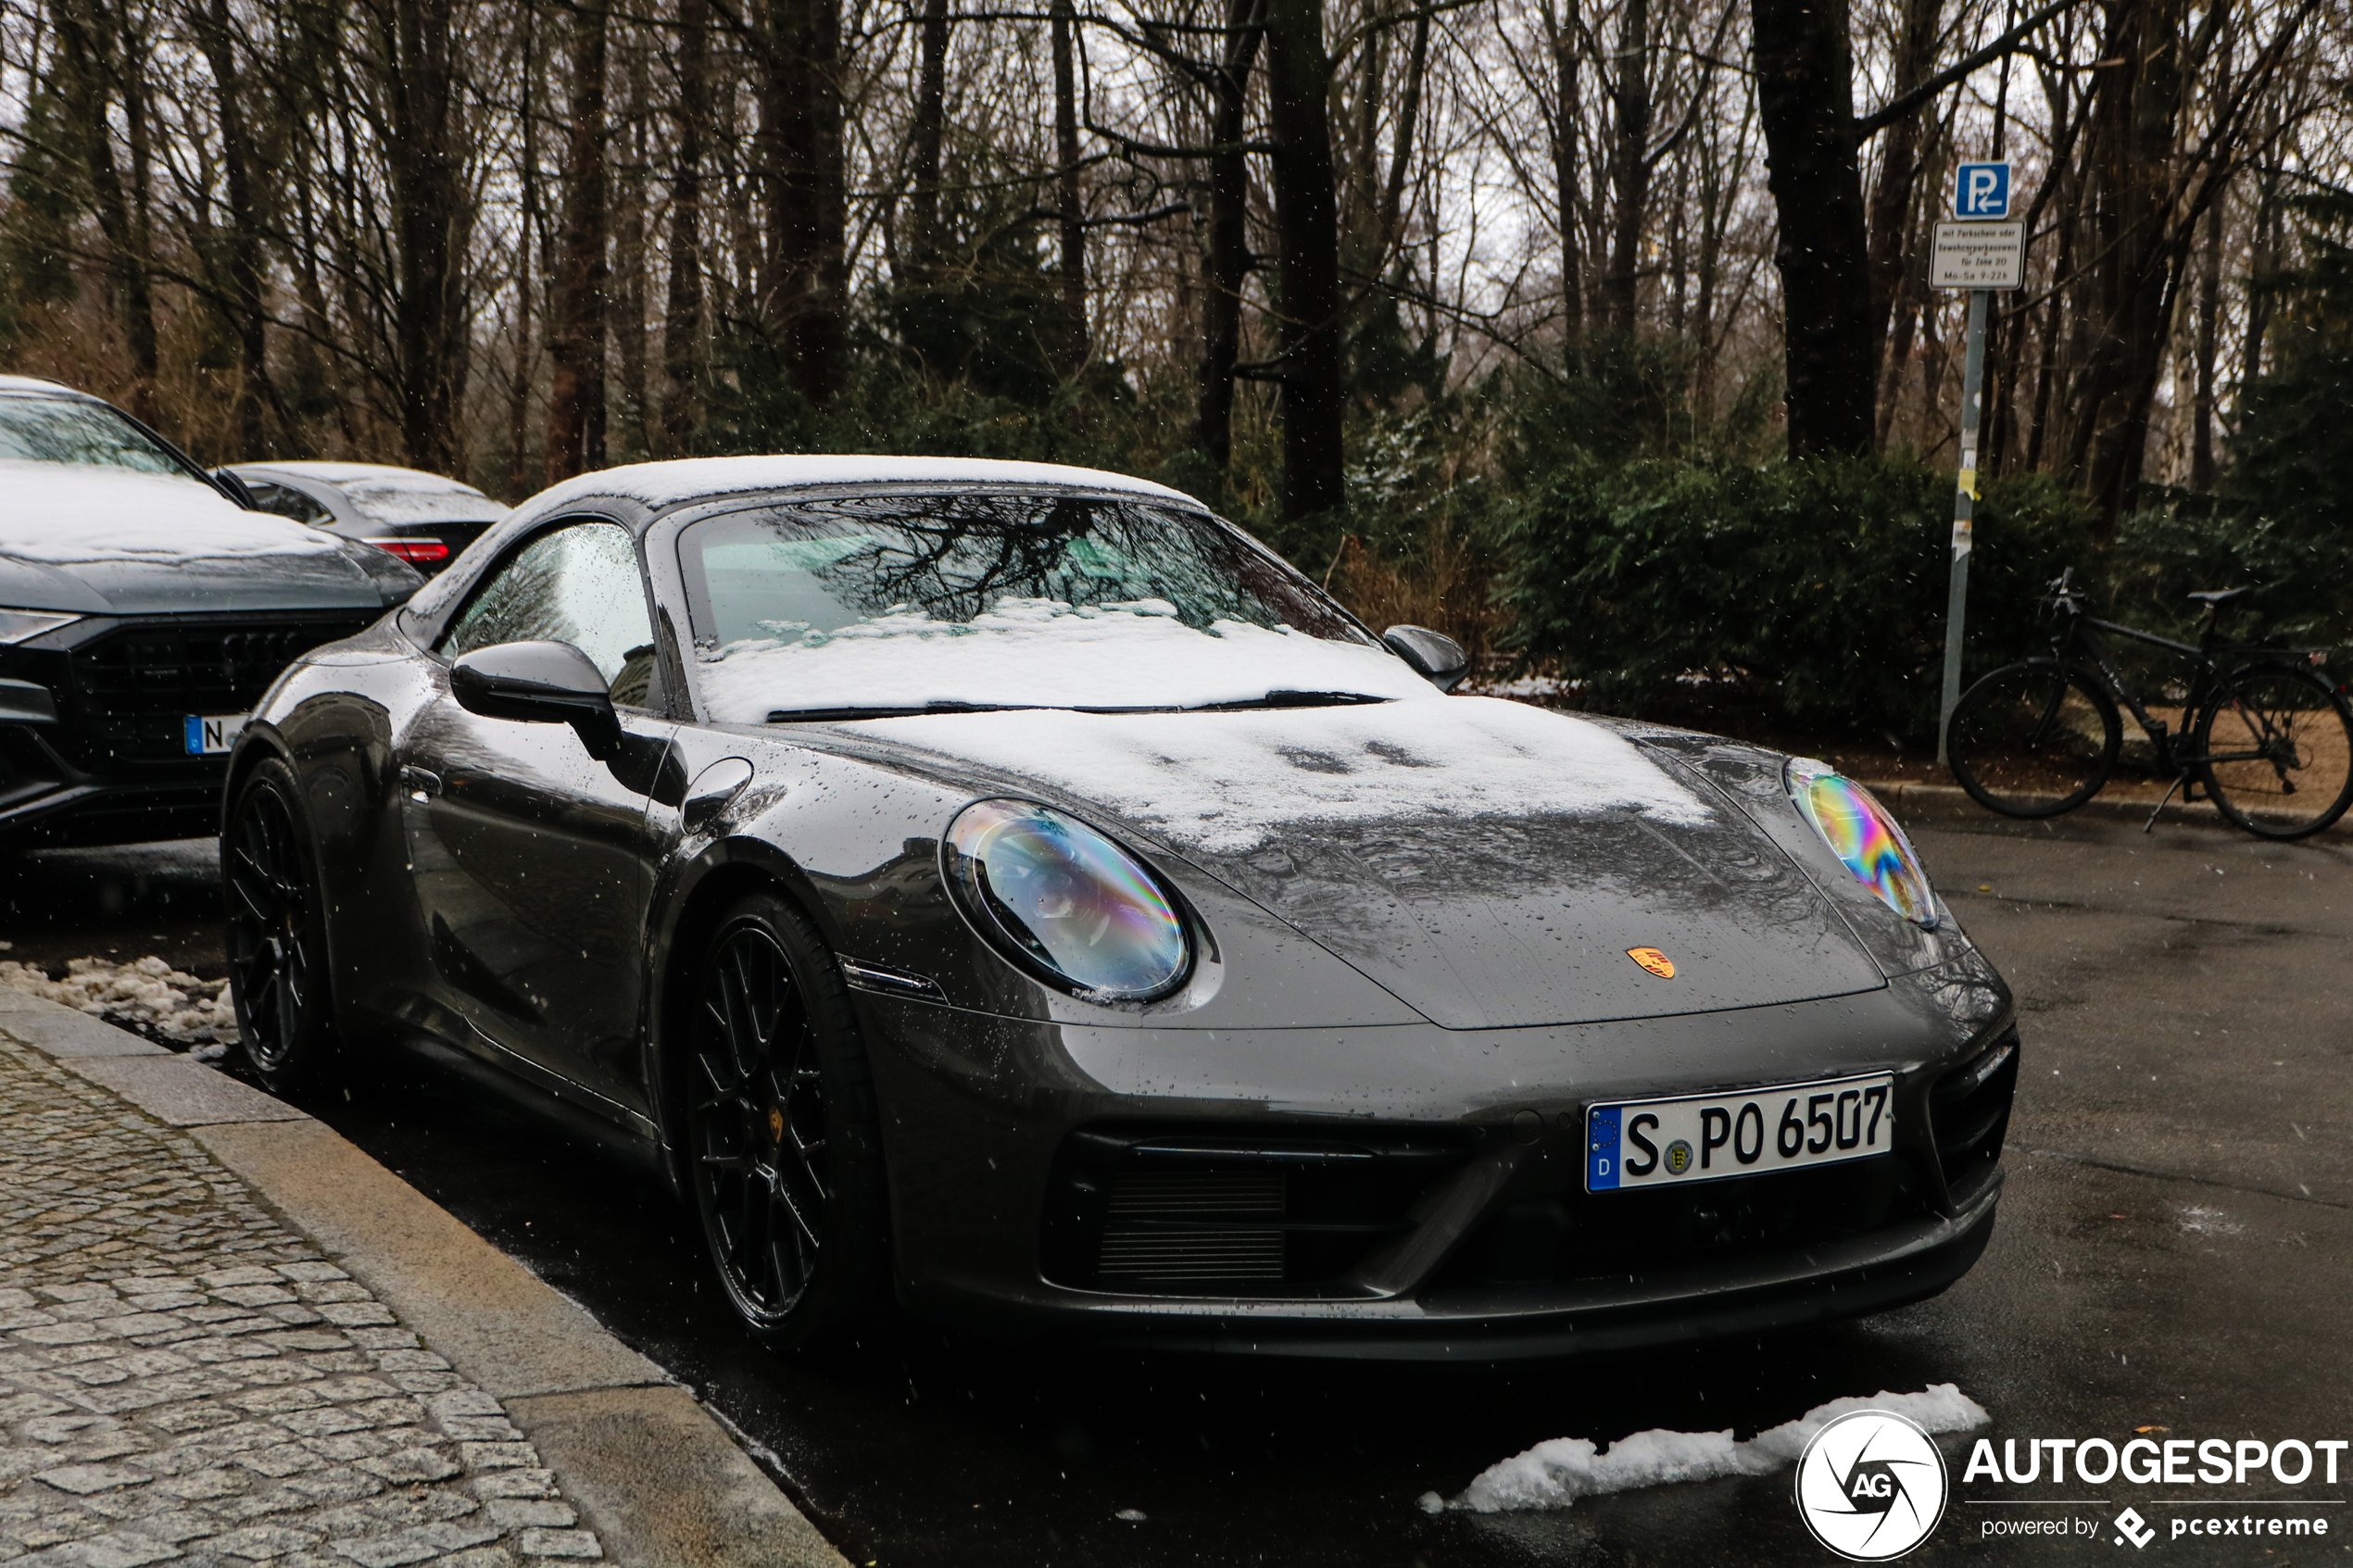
(204, 737)
(1651, 1143)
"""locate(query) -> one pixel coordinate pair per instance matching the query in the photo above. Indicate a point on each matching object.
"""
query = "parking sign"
(1981, 192)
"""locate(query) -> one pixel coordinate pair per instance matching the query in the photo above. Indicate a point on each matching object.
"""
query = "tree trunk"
(630, 283)
(1805, 90)
(527, 277)
(1227, 258)
(2210, 311)
(1629, 173)
(85, 65)
(247, 280)
(429, 324)
(1567, 131)
(1891, 209)
(1073, 215)
(2136, 113)
(1401, 142)
(931, 120)
(576, 342)
(138, 299)
(1307, 225)
(807, 286)
(682, 323)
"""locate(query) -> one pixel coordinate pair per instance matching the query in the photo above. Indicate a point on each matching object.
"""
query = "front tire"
(277, 931)
(2275, 751)
(2034, 739)
(784, 1148)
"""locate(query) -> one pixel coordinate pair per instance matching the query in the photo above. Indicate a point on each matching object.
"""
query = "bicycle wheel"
(2274, 749)
(2034, 739)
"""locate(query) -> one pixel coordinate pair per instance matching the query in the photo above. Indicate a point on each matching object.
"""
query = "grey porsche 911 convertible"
(1013, 890)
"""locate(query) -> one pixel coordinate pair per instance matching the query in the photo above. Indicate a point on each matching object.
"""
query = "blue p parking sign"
(1981, 192)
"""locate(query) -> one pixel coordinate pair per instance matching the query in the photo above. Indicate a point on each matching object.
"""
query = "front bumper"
(1007, 1141)
(61, 806)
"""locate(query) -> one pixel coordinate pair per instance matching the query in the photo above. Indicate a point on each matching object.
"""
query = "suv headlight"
(16, 625)
(1861, 833)
(1065, 903)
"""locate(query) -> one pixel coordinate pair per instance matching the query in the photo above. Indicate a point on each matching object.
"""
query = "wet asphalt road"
(2173, 1253)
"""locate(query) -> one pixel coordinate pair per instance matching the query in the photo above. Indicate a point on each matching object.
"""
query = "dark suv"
(144, 611)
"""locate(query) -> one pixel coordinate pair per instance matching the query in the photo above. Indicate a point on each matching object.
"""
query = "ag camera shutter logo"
(1871, 1485)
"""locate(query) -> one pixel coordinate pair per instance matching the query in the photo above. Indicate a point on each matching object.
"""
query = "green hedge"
(1820, 583)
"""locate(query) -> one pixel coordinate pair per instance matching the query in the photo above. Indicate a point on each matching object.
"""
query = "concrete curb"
(1927, 802)
(651, 1472)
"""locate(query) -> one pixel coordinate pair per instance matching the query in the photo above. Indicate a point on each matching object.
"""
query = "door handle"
(419, 781)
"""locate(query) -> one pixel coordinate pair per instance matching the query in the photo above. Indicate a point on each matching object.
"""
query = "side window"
(577, 584)
(286, 501)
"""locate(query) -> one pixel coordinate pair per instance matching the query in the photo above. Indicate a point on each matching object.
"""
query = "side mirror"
(1435, 657)
(540, 683)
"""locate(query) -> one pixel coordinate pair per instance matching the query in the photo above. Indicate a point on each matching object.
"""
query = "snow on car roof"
(374, 475)
(71, 512)
(39, 384)
(690, 479)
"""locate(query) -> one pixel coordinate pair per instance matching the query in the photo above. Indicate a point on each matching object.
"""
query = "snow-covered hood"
(98, 541)
(1488, 862)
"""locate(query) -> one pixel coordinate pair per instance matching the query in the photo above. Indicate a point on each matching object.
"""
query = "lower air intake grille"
(1969, 1112)
(1178, 1226)
(1215, 1212)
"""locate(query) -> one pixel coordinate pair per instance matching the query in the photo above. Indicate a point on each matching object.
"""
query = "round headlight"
(1061, 899)
(1861, 833)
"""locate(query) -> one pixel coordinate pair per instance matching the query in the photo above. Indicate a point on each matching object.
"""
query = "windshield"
(896, 604)
(63, 430)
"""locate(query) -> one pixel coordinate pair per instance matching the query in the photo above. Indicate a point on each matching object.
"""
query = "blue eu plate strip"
(1600, 1147)
(195, 737)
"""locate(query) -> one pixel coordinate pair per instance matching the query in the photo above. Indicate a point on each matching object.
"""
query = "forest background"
(1596, 332)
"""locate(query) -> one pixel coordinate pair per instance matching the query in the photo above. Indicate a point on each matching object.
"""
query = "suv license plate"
(1651, 1143)
(204, 737)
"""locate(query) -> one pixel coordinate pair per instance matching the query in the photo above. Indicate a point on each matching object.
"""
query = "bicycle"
(2266, 736)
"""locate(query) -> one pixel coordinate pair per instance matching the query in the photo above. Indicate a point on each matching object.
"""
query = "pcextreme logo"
(1871, 1485)
(2155, 1458)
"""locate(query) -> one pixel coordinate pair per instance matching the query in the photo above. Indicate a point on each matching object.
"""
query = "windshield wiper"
(835, 715)
(1288, 699)
(1272, 700)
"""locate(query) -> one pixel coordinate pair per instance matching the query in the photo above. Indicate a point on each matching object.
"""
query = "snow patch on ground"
(2199, 1220)
(1556, 1473)
(146, 993)
(1226, 781)
(1037, 653)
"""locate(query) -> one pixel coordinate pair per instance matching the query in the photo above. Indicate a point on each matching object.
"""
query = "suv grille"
(133, 689)
(1189, 1214)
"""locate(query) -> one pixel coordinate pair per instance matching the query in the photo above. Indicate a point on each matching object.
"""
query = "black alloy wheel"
(782, 1142)
(277, 934)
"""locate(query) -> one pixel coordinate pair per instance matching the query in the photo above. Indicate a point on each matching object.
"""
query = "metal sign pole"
(1963, 512)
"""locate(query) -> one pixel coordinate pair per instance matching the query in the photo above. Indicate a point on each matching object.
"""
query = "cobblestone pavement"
(186, 1380)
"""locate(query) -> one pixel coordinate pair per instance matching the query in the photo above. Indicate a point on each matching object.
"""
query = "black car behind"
(143, 614)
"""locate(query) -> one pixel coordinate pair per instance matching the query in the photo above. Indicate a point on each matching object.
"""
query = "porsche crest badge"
(1651, 959)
